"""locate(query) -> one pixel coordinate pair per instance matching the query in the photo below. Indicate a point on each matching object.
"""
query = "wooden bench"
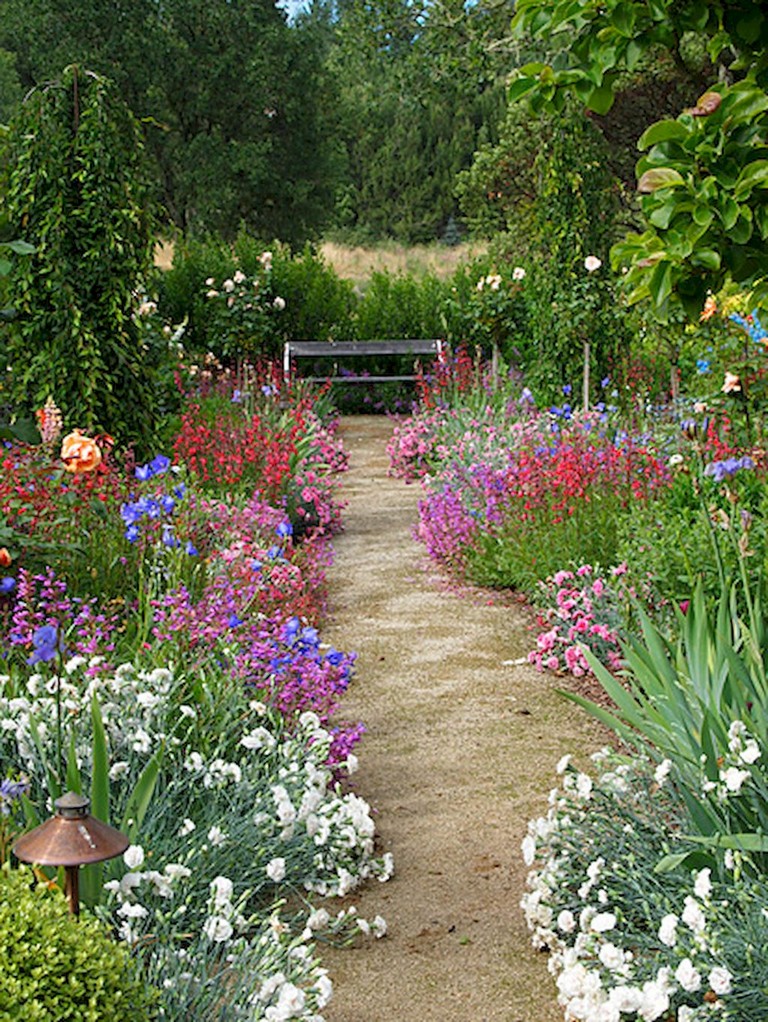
(339, 349)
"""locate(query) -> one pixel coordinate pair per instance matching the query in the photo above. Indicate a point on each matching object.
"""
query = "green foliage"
(318, 304)
(57, 968)
(704, 180)
(700, 702)
(75, 188)
(400, 306)
(704, 176)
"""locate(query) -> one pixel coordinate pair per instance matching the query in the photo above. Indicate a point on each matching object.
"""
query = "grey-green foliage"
(75, 189)
(58, 969)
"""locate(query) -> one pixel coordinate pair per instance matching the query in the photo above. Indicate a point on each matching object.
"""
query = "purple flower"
(191, 549)
(284, 529)
(143, 472)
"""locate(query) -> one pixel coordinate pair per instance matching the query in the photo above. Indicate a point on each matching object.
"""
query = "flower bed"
(195, 703)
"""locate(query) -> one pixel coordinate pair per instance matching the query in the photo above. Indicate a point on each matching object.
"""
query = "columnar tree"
(75, 189)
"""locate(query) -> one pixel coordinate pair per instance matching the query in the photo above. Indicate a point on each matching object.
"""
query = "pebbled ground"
(460, 753)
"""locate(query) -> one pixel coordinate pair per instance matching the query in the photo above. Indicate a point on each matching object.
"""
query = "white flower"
(279, 303)
(210, 281)
(668, 930)
(238, 277)
(611, 956)
(318, 919)
(528, 847)
(290, 1004)
(661, 771)
(751, 752)
(186, 827)
(687, 976)
(221, 890)
(118, 769)
(693, 916)
(352, 763)
(733, 778)
(275, 869)
(228, 285)
(584, 785)
(217, 837)
(720, 980)
(654, 1001)
(132, 911)
(702, 886)
(364, 926)
(217, 928)
(592, 263)
(518, 273)
(562, 764)
(603, 922)
(133, 856)
(379, 927)
(566, 921)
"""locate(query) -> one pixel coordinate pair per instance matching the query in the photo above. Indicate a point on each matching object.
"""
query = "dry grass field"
(358, 264)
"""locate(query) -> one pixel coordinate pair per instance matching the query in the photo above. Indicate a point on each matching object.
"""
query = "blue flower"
(233, 620)
(605, 381)
(159, 464)
(44, 640)
(274, 553)
(191, 549)
(143, 472)
(703, 365)
(237, 397)
(179, 491)
(567, 388)
(167, 503)
(284, 529)
(131, 513)
(255, 565)
(720, 470)
(7, 584)
(132, 533)
(168, 537)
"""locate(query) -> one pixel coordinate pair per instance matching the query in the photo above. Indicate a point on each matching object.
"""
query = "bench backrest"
(325, 349)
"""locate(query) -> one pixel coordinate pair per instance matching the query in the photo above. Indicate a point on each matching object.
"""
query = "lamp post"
(71, 838)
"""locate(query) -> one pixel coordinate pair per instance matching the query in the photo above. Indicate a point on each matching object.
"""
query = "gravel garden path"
(460, 753)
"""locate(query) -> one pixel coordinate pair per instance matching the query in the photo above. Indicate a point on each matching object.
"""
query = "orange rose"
(80, 453)
(5, 558)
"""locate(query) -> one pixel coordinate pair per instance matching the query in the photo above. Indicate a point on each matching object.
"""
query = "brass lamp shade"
(70, 838)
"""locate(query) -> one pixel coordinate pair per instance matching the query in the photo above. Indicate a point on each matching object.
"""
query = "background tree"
(75, 188)
(233, 100)
(419, 89)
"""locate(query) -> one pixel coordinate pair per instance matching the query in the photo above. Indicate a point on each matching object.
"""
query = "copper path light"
(72, 838)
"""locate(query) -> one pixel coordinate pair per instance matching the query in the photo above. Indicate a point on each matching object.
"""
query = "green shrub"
(55, 967)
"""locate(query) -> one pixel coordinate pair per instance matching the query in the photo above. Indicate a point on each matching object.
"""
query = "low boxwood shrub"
(55, 967)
